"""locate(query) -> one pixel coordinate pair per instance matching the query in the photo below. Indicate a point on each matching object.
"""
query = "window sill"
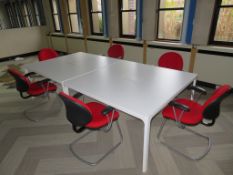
(98, 37)
(75, 35)
(56, 34)
(127, 40)
(169, 44)
(216, 48)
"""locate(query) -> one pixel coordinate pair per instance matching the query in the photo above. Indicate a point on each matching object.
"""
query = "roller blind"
(149, 19)
(202, 21)
(85, 17)
(113, 18)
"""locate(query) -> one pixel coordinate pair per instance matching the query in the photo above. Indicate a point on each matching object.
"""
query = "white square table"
(65, 67)
(137, 89)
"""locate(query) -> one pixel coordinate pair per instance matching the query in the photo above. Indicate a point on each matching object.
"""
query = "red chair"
(92, 116)
(46, 54)
(116, 51)
(29, 89)
(186, 112)
(171, 60)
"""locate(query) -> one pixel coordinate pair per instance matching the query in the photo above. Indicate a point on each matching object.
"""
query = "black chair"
(28, 89)
(186, 112)
(92, 116)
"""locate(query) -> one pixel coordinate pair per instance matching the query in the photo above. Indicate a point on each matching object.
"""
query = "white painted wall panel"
(22, 40)
(133, 53)
(97, 47)
(75, 45)
(58, 43)
(214, 69)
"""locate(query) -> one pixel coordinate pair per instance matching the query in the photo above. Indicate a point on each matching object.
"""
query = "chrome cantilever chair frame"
(210, 110)
(71, 146)
(181, 126)
(23, 85)
(93, 116)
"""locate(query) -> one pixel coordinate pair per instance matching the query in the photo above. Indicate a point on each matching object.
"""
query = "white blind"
(149, 19)
(202, 21)
(113, 18)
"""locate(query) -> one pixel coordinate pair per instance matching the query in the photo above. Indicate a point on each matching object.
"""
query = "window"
(222, 32)
(24, 13)
(56, 15)
(74, 17)
(12, 15)
(38, 8)
(170, 19)
(96, 17)
(128, 18)
(37, 13)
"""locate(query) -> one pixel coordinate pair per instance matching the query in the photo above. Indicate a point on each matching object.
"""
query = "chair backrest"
(77, 112)
(211, 108)
(46, 54)
(22, 82)
(116, 51)
(171, 60)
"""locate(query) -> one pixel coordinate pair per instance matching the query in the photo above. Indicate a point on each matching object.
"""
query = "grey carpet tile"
(42, 148)
(226, 166)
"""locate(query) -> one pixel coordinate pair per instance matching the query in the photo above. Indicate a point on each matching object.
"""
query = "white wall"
(97, 47)
(59, 43)
(214, 69)
(22, 40)
(75, 45)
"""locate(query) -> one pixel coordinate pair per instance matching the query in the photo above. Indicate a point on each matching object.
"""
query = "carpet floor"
(42, 148)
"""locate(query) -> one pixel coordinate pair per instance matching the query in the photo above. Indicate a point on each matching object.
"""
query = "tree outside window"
(222, 32)
(74, 19)
(96, 17)
(128, 18)
(171, 13)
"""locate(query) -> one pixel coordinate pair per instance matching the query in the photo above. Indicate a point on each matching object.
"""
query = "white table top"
(69, 66)
(137, 89)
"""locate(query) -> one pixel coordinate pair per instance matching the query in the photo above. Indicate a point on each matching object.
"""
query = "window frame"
(56, 14)
(91, 18)
(169, 9)
(26, 15)
(35, 6)
(121, 11)
(217, 9)
(74, 13)
(23, 14)
(10, 15)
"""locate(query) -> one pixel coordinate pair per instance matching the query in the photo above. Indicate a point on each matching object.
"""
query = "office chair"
(29, 89)
(92, 116)
(116, 51)
(171, 60)
(187, 112)
(46, 54)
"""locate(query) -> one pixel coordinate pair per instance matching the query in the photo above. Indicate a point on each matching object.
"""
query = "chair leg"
(38, 105)
(198, 157)
(101, 158)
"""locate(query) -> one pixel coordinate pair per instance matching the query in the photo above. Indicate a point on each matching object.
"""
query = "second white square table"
(136, 89)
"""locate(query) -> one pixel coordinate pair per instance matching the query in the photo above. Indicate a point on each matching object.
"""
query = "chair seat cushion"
(193, 117)
(98, 119)
(36, 89)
